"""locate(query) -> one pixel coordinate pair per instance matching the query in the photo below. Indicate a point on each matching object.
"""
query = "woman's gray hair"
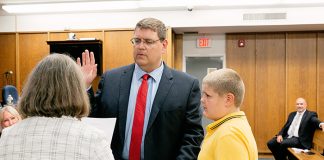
(55, 88)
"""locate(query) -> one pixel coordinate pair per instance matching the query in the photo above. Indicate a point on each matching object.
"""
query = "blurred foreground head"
(9, 116)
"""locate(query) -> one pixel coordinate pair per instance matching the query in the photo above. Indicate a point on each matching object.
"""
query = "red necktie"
(138, 121)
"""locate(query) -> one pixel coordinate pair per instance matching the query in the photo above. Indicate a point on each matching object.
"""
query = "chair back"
(9, 93)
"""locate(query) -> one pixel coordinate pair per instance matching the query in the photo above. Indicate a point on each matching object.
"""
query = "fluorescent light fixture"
(70, 7)
(165, 3)
(57, 6)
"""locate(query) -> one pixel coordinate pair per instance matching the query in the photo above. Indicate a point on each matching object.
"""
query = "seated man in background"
(8, 116)
(298, 131)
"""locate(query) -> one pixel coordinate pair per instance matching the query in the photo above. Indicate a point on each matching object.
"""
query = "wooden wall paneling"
(8, 59)
(242, 60)
(118, 50)
(32, 48)
(320, 75)
(58, 36)
(301, 69)
(178, 51)
(168, 58)
(270, 87)
(61, 36)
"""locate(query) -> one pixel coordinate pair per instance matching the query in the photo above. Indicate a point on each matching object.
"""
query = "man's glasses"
(147, 42)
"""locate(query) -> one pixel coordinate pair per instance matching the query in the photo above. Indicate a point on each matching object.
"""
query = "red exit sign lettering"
(203, 42)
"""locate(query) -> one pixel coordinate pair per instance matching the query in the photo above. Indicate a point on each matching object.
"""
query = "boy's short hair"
(224, 81)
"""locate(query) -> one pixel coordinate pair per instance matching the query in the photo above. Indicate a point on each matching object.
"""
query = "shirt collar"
(302, 113)
(155, 74)
(219, 122)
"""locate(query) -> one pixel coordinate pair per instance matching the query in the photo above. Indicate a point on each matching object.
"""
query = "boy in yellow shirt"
(230, 136)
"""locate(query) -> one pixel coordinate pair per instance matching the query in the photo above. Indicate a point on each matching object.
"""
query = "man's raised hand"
(88, 67)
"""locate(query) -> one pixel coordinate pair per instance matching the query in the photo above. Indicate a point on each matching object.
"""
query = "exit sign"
(203, 42)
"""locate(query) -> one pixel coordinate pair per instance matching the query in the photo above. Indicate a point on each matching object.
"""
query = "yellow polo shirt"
(229, 138)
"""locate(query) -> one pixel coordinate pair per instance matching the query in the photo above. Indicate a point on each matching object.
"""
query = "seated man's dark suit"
(309, 123)
(174, 129)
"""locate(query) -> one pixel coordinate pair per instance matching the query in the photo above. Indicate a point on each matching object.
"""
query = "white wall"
(175, 19)
(7, 24)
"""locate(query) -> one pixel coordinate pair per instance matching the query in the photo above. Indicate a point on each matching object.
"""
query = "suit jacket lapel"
(303, 121)
(163, 90)
(292, 118)
(124, 87)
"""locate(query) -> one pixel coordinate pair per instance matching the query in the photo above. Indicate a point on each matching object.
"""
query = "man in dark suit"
(172, 118)
(298, 131)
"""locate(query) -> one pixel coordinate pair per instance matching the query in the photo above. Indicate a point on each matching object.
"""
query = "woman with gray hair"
(8, 116)
(52, 103)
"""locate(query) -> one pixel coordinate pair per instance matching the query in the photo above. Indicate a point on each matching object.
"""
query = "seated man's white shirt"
(293, 130)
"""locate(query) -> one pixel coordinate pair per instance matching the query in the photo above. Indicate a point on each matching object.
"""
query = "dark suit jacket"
(308, 125)
(174, 129)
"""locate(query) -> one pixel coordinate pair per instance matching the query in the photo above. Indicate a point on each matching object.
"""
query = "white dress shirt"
(153, 84)
(295, 124)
